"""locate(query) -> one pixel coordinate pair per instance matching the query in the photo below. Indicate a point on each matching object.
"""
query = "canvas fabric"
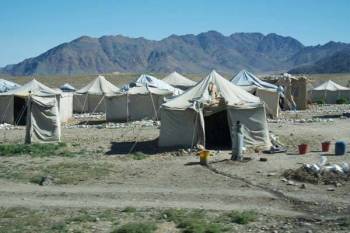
(43, 121)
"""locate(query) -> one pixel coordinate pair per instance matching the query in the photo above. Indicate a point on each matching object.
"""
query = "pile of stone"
(308, 120)
(112, 125)
(97, 116)
(6, 126)
(321, 172)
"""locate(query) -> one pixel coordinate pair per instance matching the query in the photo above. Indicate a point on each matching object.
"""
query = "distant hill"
(338, 62)
(187, 53)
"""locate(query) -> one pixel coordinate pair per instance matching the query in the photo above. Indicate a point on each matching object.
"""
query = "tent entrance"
(19, 110)
(217, 131)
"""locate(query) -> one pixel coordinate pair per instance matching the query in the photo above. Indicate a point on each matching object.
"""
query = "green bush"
(136, 228)
(320, 102)
(139, 156)
(129, 209)
(343, 100)
(192, 221)
(243, 217)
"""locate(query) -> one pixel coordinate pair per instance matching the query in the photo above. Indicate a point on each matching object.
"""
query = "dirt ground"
(109, 171)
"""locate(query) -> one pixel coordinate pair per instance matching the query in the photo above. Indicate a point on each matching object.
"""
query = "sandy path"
(120, 196)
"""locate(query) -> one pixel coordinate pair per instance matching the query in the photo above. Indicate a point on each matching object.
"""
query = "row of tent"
(188, 117)
(135, 101)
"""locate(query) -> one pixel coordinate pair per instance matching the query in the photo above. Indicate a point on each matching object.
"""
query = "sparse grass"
(194, 221)
(342, 100)
(134, 227)
(62, 173)
(242, 217)
(139, 156)
(83, 216)
(129, 210)
(35, 150)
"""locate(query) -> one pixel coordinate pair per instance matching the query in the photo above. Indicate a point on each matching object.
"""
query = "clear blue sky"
(30, 27)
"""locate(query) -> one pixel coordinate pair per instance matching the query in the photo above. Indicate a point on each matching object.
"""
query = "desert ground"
(108, 177)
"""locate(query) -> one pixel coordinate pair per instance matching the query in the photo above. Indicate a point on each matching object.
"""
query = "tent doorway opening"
(20, 110)
(217, 131)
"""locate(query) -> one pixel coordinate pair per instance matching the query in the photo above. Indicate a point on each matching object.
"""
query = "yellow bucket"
(203, 157)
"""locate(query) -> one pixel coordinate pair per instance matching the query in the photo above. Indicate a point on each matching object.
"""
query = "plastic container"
(340, 148)
(203, 157)
(325, 146)
(303, 148)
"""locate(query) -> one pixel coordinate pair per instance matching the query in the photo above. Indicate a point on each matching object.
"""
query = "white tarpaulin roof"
(233, 95)
(249, 80)
(67, 87)
(7, 85)
(145, 90)
(150, 81)
(34, 87)
(99, 86)
(177, 79)
(330, 86)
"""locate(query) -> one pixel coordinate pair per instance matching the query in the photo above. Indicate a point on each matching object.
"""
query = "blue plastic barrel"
(340, 148)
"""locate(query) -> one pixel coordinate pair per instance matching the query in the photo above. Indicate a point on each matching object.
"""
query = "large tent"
(137, 103)
(43, 121)
(329, 92)
(7, 85)
(150, 81)
(91, 98)
(179, 81)
(196, 117)
(267, 92)
(13, 103)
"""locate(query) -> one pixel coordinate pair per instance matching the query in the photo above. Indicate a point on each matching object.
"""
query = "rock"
(263, 159)
(331, 189)
(46, 180)
(290, 182)
(337, 184)
(284, 180)
(303, 186)
(271, 174)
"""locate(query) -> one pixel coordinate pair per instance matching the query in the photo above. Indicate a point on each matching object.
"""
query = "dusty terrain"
(105, 170)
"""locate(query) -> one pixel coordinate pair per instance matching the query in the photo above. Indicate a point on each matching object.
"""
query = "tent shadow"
(146, 147)
(92, 122)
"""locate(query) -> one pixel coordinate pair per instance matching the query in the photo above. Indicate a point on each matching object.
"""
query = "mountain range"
(186, 53)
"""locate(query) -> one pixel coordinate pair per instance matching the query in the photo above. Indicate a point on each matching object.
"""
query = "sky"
(29, 28)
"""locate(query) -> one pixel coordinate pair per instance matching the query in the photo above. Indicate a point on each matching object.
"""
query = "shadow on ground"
(92, 122)
(147, 147)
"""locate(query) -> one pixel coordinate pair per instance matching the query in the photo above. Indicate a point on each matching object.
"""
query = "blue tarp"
(7, 85)
(249, 80)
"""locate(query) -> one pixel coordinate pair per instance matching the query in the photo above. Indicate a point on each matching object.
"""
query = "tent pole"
(194, 131)
(154, 107)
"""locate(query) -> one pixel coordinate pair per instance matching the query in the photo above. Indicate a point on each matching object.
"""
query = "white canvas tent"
(267, 92)
(196, 118)
(91, 98)
(7, 85)
(43, 121)
(13, 103)
(329, 92)
(135, 104)
(179, 81)
(150, 81)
